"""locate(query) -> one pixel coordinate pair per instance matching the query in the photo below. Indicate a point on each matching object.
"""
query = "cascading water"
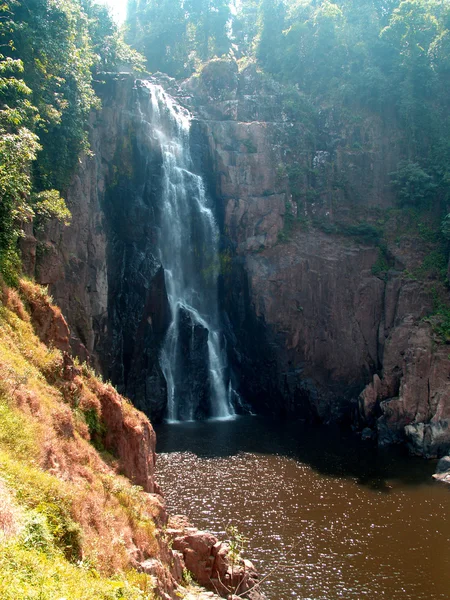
(192, 359)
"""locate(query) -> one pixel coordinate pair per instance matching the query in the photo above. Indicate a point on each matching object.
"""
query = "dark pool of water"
(327, 517)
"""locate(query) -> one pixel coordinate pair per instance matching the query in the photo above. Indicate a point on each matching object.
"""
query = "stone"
(367, 434)
(48, 321)
(207, 560)
(130, 436)
(191, 375)
(443, 465)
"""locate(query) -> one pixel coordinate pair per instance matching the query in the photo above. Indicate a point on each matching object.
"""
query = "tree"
(245, 27)
(50, 50)
(176, 35)
(271, 21)
(158, 29)
(413, 185)
(208, 24)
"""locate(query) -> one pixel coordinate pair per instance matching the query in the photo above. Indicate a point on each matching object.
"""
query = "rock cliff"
(324, 320)
(102, 270)
(314, 317)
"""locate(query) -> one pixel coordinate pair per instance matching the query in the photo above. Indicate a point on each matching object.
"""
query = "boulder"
(208, 561)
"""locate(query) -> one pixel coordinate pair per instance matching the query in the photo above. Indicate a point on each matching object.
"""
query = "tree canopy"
(50, 50)
(175, 36)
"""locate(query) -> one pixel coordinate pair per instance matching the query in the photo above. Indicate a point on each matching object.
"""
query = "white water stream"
(188, 246)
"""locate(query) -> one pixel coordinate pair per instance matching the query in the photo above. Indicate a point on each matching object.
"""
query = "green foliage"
(176, 36)
(16, 433)
(219, 76)
(237, 543)
(381, 265)
(364, 232)
(50, 49)
(17, 150)
(413, 185)
(445, 227)
(66, 534)
(96, 427)
(187, 577)
(36, 534)
(434, 266)
(440, 318)
(50, 205)
(250, 146)
(289, 222)
(44, 495)
(225, 260)
(29, 572)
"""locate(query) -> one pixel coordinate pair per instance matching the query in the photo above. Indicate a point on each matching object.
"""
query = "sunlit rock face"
(310, 320)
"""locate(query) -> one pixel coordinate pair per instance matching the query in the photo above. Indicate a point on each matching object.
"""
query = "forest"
(388, 57)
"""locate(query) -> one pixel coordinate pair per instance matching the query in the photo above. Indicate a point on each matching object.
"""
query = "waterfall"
(193, 359)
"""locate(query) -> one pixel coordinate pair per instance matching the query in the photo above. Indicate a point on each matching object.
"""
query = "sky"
(118, 8)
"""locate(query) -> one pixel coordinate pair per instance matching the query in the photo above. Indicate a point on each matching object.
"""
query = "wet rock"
(367, 434)
(443, 465)
(369, 400)
(443, 470)
(411, 395)
(192, 368)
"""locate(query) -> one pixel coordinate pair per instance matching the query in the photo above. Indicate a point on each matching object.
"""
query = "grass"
(33, 573)
(17, 434)
(70, 525)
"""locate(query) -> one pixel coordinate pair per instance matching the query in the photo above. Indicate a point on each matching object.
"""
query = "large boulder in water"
(192, 385)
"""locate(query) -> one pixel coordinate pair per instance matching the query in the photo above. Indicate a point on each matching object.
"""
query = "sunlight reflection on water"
(345, 520)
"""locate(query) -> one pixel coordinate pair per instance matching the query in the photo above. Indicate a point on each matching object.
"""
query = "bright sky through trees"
(118, 9)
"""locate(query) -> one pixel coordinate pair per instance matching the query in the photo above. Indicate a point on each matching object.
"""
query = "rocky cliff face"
(102, 270)
(322, 321)
(314, 318)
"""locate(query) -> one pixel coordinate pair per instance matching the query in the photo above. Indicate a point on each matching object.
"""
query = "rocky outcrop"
(126, 433)
(48, 322)
(211, 564)
(443, 470)
(129, 436)
(410, 401)
(192, 372)
(102, 270)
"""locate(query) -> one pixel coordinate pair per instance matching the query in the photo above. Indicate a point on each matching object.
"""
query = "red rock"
(207, 559)
(47, 319)
(130, 436)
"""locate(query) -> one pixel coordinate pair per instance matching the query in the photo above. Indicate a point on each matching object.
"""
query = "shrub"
(36, 534)
(413, 185)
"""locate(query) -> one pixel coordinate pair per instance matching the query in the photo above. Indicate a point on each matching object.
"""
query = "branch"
(271, 571)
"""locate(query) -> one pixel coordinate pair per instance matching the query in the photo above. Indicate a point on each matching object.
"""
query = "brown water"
(343, 519)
